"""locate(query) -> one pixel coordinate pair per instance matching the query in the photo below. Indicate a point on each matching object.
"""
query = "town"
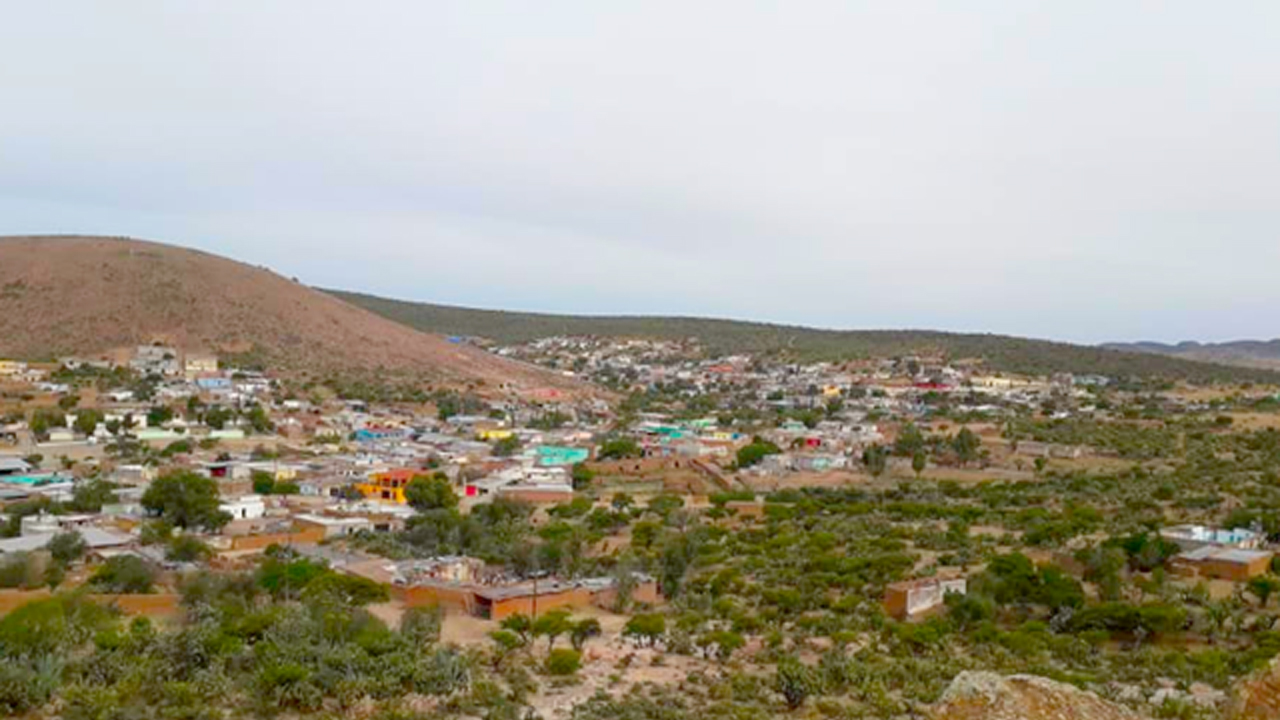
(717, 511)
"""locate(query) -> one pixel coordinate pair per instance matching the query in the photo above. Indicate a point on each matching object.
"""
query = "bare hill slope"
(88, 295)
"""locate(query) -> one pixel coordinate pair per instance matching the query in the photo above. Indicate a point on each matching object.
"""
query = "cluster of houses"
(827, 413)
(1211, 553)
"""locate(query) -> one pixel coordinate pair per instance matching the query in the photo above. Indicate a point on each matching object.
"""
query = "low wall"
(151, 605)
(456, 598)
(309, 535)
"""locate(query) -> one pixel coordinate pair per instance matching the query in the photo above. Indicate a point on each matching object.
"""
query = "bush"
(124, 574)
(647, 628)
(563, 661)
(186, 500)
(433, 492)
(66, 548)
(187, 548)
(753, 453)
(619, 449)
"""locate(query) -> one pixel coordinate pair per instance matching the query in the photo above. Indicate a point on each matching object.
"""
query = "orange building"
(910, 598)
(388, 486)
(1232, 564)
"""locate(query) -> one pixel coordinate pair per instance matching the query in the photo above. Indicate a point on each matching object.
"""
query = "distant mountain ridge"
(1002, 353)
(91, 295)
(1264, 354)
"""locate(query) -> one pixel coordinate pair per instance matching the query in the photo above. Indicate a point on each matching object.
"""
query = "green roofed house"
(557, 455)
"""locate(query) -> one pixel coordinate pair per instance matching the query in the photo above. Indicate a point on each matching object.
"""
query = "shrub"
(563, 661)
(124, 574)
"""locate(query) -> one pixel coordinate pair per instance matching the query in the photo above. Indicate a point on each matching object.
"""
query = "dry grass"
(90, 296)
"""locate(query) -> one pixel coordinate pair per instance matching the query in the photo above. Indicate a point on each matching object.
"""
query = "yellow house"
(387, 486)
(494, 434)
(831, 391)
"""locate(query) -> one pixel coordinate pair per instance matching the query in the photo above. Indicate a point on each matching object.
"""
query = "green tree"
(582, 631)
(422, 624)
(563, 662)
(619, 448)
(87, 421)
(582, 476)
(756, 451)
(507, 446)
(124, 574)
(187, 548)
(966, 445)
(259, 420)
(345, 590)
(185, 500)
(90, 495)
(159, 415)
(721, 644)
(918, 461)
(217, 417)
(648, 628)
(505, 643)
(551, 625)
(45, 419)
(795, 681)
(263, 482)
(910, 441)
(1263, 587)
(286, 577)
(66, 548)
(433, 492)
(875, 460)
(520, 624)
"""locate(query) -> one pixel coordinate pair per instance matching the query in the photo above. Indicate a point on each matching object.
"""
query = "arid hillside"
(91, 295)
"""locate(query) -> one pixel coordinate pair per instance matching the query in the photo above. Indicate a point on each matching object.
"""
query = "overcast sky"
(1077, 170)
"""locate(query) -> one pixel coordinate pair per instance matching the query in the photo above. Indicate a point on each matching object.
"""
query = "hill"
(91, 295)
(1263, 354)
(1001, 352)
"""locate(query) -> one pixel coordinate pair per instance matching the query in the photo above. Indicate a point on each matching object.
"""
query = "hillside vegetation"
(1263, 354)
(91, 295)
(1001, 352)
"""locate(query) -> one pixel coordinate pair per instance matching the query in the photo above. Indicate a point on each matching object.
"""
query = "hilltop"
(91, 295)
(1264, 354)
(1002, 353)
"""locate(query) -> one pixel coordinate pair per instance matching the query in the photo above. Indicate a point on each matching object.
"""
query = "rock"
(1257, 697)
(1206, 696)
(1125, 692)
(989, 696)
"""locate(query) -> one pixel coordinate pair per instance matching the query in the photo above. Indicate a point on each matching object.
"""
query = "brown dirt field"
(90, 295)
(1255, 421)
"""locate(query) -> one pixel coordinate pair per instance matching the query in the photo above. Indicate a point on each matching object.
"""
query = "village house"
(1223, 563)
(197, 364)
(1193, 537)
(388, 486)
(912, 598)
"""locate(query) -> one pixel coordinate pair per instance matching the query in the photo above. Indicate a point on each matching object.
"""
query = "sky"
(1085, 171)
